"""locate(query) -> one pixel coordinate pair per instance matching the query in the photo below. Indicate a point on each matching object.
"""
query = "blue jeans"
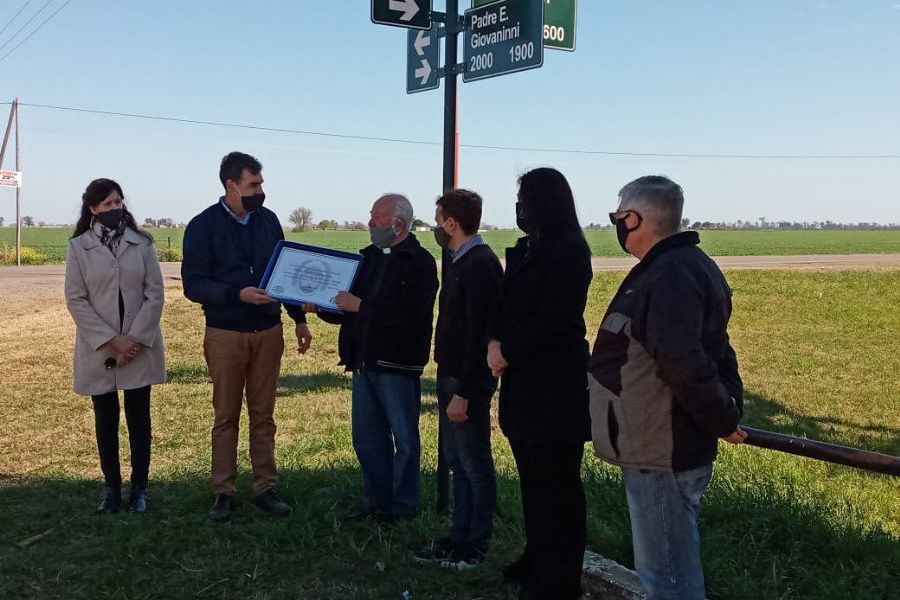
(467, 448)
(385, 423)
(664, 508)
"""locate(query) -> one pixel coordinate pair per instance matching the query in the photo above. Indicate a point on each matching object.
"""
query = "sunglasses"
(616, 216)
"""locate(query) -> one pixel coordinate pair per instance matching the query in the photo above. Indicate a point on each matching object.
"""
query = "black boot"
(272, 503)
(111, 501)
(222, 508)
(137, 501)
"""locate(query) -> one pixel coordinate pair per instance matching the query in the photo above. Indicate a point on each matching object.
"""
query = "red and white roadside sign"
(11, 179)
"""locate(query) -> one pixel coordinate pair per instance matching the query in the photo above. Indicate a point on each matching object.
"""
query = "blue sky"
(663, 76)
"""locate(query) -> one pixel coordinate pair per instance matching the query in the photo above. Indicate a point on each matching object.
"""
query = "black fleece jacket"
(470, 293)
(392, 330)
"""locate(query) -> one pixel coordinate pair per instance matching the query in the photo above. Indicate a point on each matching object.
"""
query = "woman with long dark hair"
(540, 352)
(114, 291)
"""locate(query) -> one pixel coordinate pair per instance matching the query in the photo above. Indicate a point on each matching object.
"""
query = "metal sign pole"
(451, 25)
(450, 82)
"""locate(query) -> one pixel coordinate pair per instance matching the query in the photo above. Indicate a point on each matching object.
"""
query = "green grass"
(52, 241)
(819, 357)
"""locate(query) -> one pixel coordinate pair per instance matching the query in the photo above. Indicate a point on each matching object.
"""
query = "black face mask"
(111, 218)
(441, 236)
(254, 202)
(523, 220)
(622, 230)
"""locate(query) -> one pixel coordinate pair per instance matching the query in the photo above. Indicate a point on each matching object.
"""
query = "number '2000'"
(480, 62)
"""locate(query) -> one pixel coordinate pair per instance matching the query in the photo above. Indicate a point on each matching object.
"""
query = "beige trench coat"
(94, 279)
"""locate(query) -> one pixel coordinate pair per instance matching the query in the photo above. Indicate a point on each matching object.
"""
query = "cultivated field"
(819, 355)
(52, 241)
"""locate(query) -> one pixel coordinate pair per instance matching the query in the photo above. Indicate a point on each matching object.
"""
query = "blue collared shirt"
(243, 221)
(461, 251)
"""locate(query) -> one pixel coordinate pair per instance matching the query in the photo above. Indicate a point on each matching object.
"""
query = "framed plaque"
(300, 274)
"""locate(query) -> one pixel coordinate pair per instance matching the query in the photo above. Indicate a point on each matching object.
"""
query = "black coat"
(392, 330)
(540, 325)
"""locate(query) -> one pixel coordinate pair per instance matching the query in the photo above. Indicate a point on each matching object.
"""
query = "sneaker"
(437, 551)
(270, 502)
(464, 556)
(222, 508)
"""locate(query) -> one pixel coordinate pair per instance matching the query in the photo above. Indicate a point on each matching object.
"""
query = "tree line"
(301, 219)
(762, 224)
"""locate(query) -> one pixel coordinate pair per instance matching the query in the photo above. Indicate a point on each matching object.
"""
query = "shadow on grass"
(188, 373)
(772, 415)
(757, 542)
(175, 551)
(324, 381)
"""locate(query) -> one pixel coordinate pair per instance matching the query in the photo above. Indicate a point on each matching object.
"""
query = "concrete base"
(607, 579)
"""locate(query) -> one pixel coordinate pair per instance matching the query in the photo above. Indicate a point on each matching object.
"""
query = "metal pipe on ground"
(833, 453)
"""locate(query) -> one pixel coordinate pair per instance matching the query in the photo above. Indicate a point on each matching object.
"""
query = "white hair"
(403, 209)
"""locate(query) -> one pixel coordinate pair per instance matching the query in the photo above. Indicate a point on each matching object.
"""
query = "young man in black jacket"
(384, 340)
(664, 384)
(470, 293)
(226, 250)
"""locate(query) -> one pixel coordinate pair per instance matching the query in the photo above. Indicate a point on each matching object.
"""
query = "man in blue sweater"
(226, 250)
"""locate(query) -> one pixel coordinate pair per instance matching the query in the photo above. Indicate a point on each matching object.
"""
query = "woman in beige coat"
(114, 291)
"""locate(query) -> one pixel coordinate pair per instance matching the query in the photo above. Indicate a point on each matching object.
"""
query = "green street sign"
(559, 23)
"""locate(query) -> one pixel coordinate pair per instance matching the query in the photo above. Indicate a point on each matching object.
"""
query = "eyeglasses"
(616, 216)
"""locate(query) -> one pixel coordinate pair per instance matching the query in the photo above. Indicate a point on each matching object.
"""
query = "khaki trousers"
(238, 362)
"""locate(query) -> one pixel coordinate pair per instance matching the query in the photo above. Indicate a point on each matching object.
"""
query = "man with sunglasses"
(664, 384)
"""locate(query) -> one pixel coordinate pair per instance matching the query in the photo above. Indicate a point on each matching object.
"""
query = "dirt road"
(20, 285)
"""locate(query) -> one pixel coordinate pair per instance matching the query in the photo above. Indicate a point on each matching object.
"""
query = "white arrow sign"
(422, 40)
(409, 8)
(424, 71)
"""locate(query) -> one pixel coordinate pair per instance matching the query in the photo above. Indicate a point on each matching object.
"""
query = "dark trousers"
(554, 508)
(467, 449)
(137, 417)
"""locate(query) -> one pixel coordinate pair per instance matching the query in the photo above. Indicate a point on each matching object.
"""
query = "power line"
(36, 29)
(8, 23)
(234, 125)
(473, 146)
(27, 23)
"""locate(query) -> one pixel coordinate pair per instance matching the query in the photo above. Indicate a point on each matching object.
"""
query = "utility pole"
(14, 116)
